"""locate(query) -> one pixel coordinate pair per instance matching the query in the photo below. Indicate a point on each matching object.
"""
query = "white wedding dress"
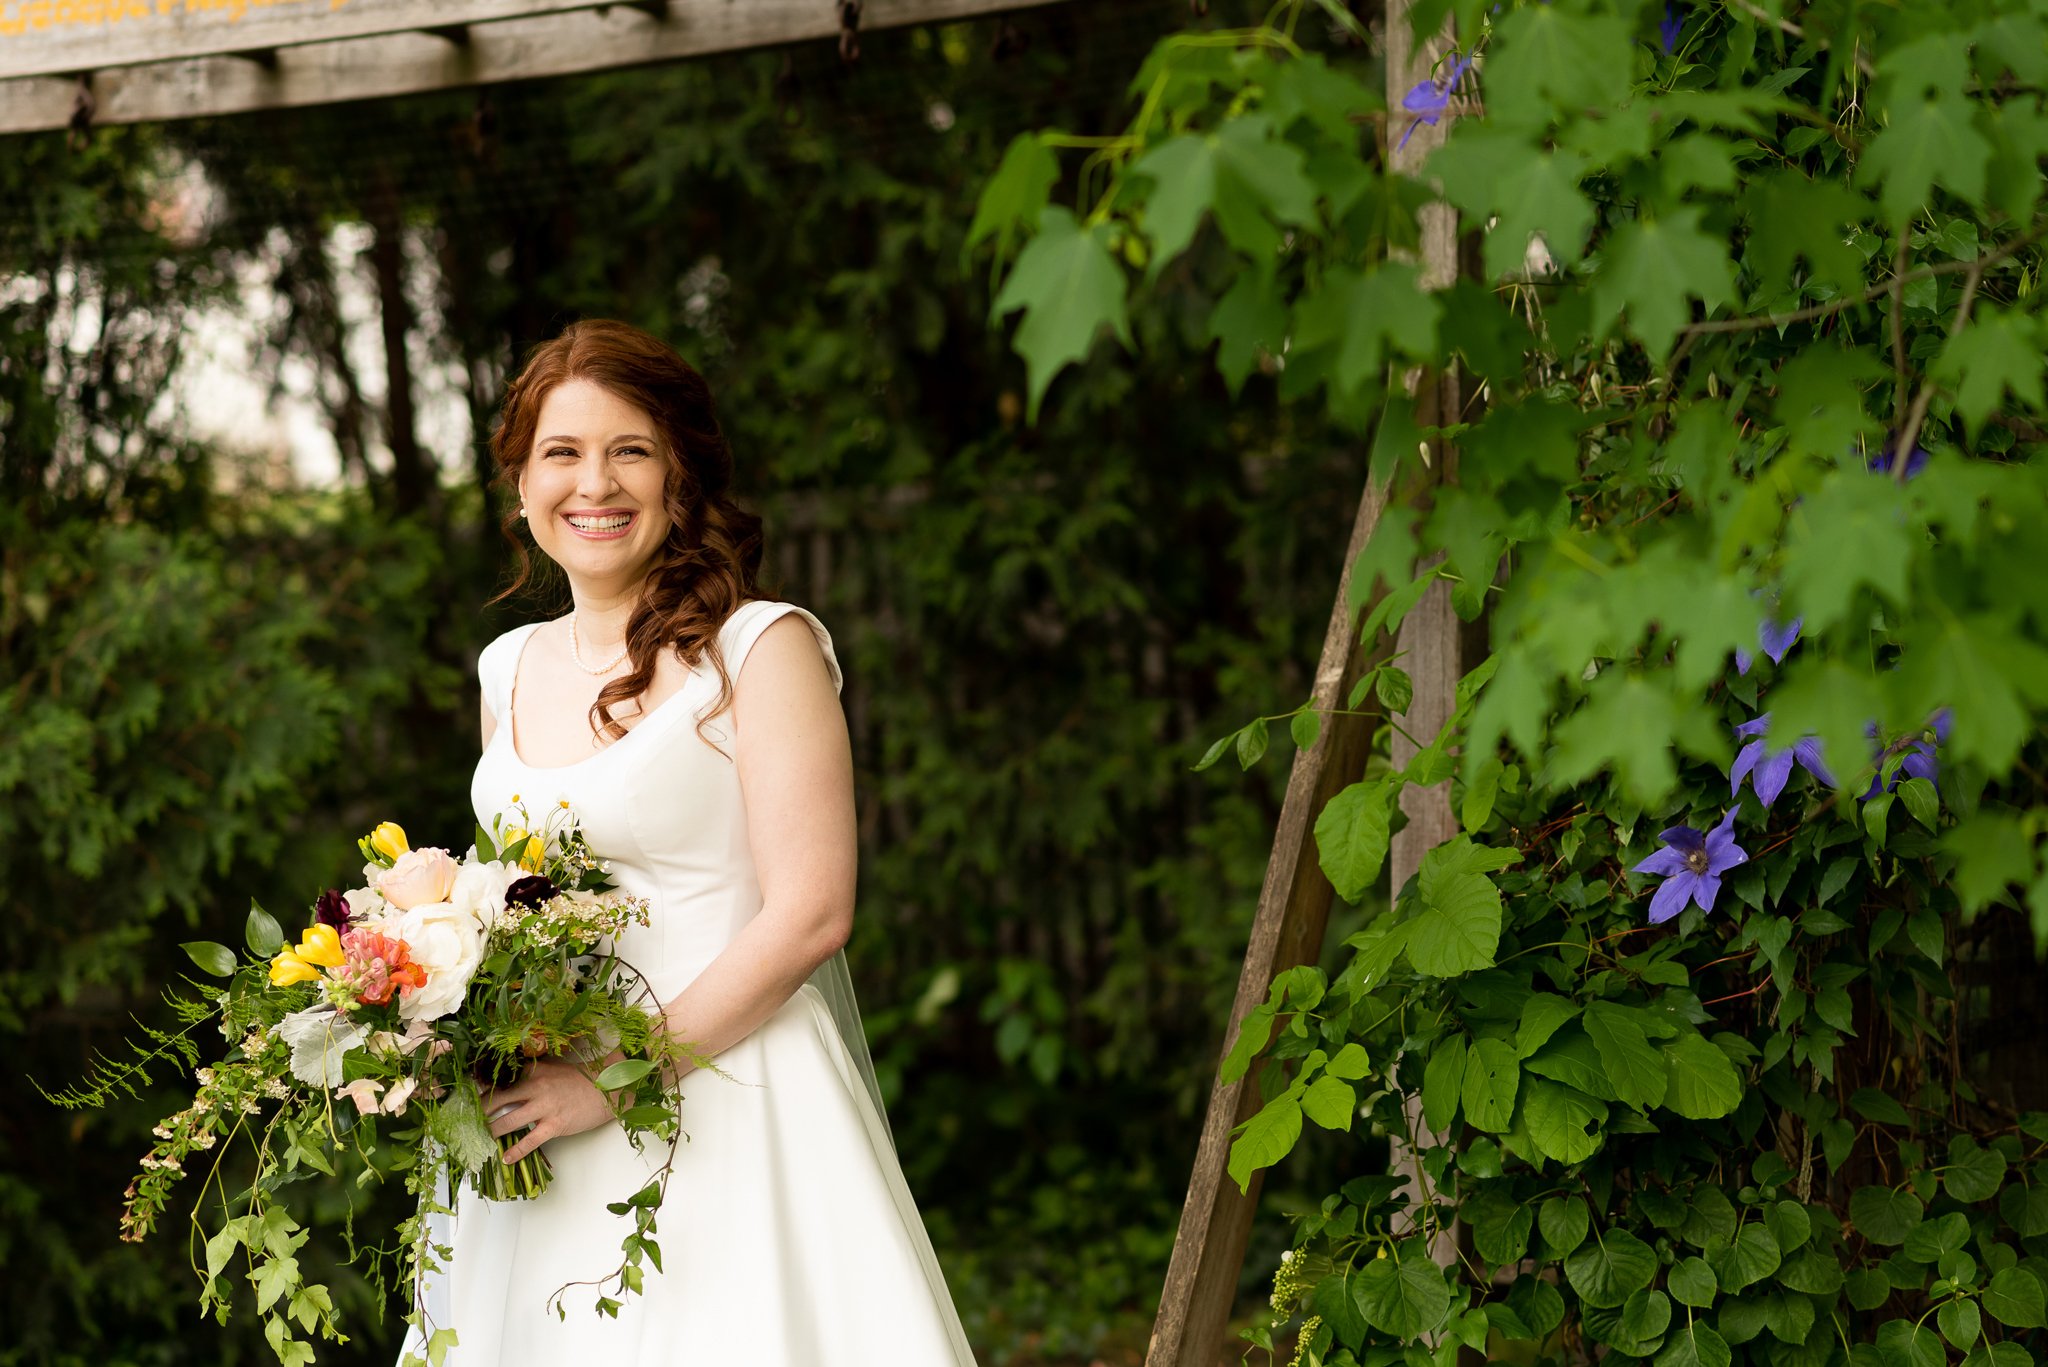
(788, 1236)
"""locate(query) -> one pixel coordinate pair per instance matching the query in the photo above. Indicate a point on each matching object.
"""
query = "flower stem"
(521, 1181)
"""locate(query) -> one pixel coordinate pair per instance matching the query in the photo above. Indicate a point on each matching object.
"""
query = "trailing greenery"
(1747, 496)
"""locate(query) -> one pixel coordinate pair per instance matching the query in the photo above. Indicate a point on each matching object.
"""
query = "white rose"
(448, 942)
(480, 888)
(319, 1036)
(364, 903)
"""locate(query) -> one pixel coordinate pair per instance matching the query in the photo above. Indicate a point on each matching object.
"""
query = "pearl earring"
(522, 512)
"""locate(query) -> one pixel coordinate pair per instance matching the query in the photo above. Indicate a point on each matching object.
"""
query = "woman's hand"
(555, 1097)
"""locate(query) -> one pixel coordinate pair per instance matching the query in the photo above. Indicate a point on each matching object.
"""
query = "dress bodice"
(661, 804)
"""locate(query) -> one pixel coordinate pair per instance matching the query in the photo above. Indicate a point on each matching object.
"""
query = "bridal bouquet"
(367, 1041)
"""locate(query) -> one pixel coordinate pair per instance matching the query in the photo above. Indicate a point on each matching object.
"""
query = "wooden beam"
(593, 39)
(1294, 906)
(45, 38)
(1429, 635)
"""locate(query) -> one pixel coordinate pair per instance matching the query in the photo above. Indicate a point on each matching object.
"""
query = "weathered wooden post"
(1208, 1253)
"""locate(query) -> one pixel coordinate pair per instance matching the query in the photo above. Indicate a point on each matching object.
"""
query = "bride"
(694, 726)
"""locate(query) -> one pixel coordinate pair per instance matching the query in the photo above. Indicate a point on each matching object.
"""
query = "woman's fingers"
(513, 1118)
(535, 1137)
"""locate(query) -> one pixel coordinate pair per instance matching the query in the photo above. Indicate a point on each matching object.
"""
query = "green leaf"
(1516, 191)
(1651, 266)
(1542, 1015)
(1692, 1283)
(1695, 1345)
(1570, 1058)
(1960, 1323)
(2014, 1298)
(1748, 1260)
(1921, 801)
(1250, 319)
(1974, 1173)
(2025, 1208)
(1480, 795)
(1394, 688)
(1789, 1224)
(212, 956)
(1606, 1271)
(1883, 1215)
(1492, 1074)
(1011, 201)
(261, 932)
(1330, 1102)
(1335, 1298)
(1564, 1123)
(1813, 1272)
(1543, 60)
(1998, 353)
(1882, 1107)
(1252, 739)
(1704, 1084)
(1069, 287)
(1304, 727)
(1406, 1298)
(1352, 836)
(1928, 142)
(1443, 1084)
(1367, 319)
(1350, 1062)
(1636, 1070)
(1993, 851)
(1241, 172)
(1564, 1221)
(624, 1073)
(1646, 1314)
(1849, 508)
(1267, 1138)
(1902, 1343)
(1459, 928)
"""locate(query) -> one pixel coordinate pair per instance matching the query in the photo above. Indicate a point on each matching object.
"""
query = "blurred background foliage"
(214, 673)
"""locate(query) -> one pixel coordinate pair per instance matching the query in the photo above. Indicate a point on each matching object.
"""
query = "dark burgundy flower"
(331, 910)
(531, 891)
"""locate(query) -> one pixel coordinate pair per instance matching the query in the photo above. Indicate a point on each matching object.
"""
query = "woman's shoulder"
(496, 660)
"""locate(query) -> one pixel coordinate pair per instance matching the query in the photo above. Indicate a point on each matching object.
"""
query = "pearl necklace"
(577, 655)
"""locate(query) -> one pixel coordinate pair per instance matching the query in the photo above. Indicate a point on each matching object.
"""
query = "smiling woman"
(803, 1244)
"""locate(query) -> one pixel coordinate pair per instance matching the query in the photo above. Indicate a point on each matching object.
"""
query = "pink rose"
(418, 878)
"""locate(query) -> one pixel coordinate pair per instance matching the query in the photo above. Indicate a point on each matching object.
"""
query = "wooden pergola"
(79, 63)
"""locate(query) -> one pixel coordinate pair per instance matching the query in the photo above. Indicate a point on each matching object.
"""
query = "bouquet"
(367, 1042)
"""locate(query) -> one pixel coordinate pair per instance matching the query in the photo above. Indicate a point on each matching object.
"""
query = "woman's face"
(593, 487)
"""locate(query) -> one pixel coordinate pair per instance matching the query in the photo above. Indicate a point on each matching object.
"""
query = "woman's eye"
(561, 451)
(631, 451)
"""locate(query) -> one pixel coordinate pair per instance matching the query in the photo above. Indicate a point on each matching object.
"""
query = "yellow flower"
(288, 968)
(320, 944)
(389, 840)
(318, 947)
(536, 848)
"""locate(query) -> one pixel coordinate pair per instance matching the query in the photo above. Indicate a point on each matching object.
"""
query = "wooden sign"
(64, 37)
(437, 53)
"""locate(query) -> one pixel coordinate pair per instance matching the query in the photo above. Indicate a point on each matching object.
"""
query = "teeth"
(600, 524)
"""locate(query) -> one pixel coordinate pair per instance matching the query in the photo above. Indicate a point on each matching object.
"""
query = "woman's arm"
(796, 779)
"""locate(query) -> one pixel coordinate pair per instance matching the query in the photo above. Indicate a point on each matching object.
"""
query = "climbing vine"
(1750, 785)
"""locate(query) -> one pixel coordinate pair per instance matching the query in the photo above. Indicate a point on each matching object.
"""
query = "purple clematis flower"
(1668, 30)
(1775, 640)
(1881, 463)
(1921, 759)
(1692, 865)
(1768, 770)
(1429, 99)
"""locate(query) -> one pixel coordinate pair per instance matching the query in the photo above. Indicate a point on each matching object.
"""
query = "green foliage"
(1726, 276)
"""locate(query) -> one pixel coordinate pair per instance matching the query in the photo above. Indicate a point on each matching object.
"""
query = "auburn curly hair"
(710, 563)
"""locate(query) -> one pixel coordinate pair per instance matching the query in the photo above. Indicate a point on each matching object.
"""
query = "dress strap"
(745, 625)
(496, 666)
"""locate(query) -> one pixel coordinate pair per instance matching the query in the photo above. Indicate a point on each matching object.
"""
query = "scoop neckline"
(512, 713)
